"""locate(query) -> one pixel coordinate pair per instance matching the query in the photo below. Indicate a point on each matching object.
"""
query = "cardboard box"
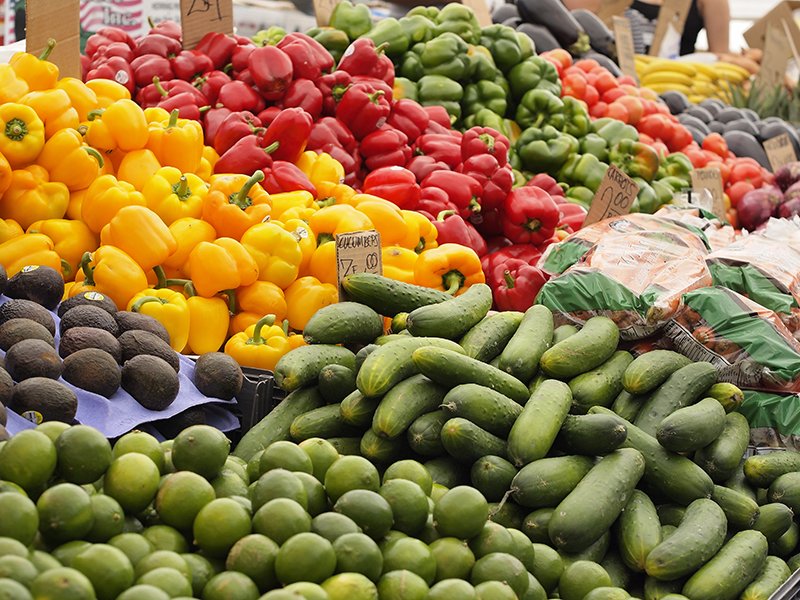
(782, 13)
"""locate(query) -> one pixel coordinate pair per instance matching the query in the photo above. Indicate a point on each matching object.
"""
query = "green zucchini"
(425, 433)
(535, 525)
(774, 519)
(592, 507)
(301, 366)
(693, 427)
(343, 323)
(562, 332)
(466, 442)
(728, 573)
(534, 335)
(492, 476)
(357, 410)
(454, 318)
(627, 406)
(536, 428)
(450, 369)
(488, 409)
(346, 446)
(774, 572)
(547, 481)
(699, 536)
(405, 402)
(638, 531)
(762, 469)
(590, 435)
(721, 458)
(487, 339)
(323, 422)
(651, 369)
(589, 348)
(601, 385)
(336, 382)
(379, 449)
(684, 387)
(389, 296)
(786, 489)
(740, 510)
(730, 396)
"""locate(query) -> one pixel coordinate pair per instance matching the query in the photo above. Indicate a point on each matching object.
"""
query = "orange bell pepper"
(323, 263)
(75, 205)
(305, 297)
(260, 346)
(303, 236)
(386, 217)
(169, 308)
(141, 233)
(206, 168)
(122, 125)
(82, 98)
(137, 167)
(32, 197)
(235, 203)
(104, 198)
(256, 300)
(330, 221)
(37, 71)
(112, 272)
(21, 134)
(54, 109)
(285, 200)
(188, 232)
(70, 161)
(12, 87)
(5, 175)
(219, 266)
(209, 319)
(9, 228)
(398, 263)
(421, 234)
(107, 92)
(26, 250)
(173, 195)
(275, 251)
(450, 267)
(177, 142)
(72, 239)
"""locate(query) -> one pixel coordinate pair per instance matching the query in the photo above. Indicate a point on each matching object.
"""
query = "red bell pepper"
(188, 64)
(433, 201)
(515, 284)
(286, 177)
(439, 114)
(455, 230)
(531, 215)
(240, 56)
(218, 47)
(158, 91)
(158, 45)
(302, 93)
(548, 184)
(422, 166)
(272, 71)
(376, 84)
(185, 103)
(409, 117)
(530, 254)
(116, 69)
(329, 130)
(246, 156)
(333, 86)
(103, 53)
(496, 181)
(309, 58)
(385, 147)
(212, 120)
(441, 146)
(147, 66)
(395, 184)
(484, 140)
(363, 109)
(489, 221)
(233, 128)
(350, 161)
(210, 83)
(291, 128)
(167, 27)
(363, 58)
(106, 36)
(268, 115)
(237, 95)
(570, 215)
(462, 190)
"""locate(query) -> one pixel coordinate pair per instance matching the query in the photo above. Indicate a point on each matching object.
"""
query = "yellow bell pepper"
(188, 232)
(386, 217)
(302, 213)
(283, 201)
(32, 197)
(450, 267)
(107, 92)
(420, 233)
(209, 319)
(207, 162)
(70, 161)
(5, 175)
(141, 233)
(329, 192)
(304, 237)
(12, 88)
(28, 249)
(177, 143)
(75, 205)
(54, 109)
(112, 272)
(9, 228)
(321, 168)
(173, 195)
(260, 346)
(276, 252)
(37, 71)
(137, 167)
(219, 266)
(156, 114)
(22, 136)
(256, 300)
(330, 221)
(398, 263)
(122, 125)
(323, 263)
(104, 198)
(169, 308)
(71, 239)
(305, 297)
(82, 98)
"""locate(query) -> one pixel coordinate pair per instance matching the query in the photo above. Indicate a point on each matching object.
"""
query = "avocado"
(26, 309)
(39, 283)
(89, 298)
(128, 321)
(151, 381)
(86, 315)
(32, 358)
(171, 427)
(6, 387)
(136, 342)
(17, 330)
(93, 370)
(79, 338)
(218, 375)
(53, 400)
(3, 279)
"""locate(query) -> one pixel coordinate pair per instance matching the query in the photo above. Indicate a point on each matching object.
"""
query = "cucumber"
(534, 335)
(673, 596)
(600, 386)
(693, 427)
(536, 429)
(721, 457)
(786, 489)
(671, 475)
(655, 589)
(737, 481)
(357, 410)
(740, 510)
(774, 519)
(537, 380)
(492, 477)
(794, 562)
(487, 339)
(786, 544)
(325, 421)
(507, 514)
(425, 433)
(562, 332)
(405, 402)
(466, 442)
(589, 348)
(638, 531)
(391, 337)
(651, 369)
(486, 408)
(627, 406)
(399, 323)
(671, 514)
(684, 387)
(300, 367)
(391, 363)
(620, 575)
(275, 426)
(546, 482)
(667, 530)
(730, 396)
(447, 471)
(362, 355)
(763, 469)
(388, 296)
(450, 369)
(336, 383)
(454, 318)
(343, 323)
(772, 575)
(379, 449)
(726, 575)
(590, 435)
(699, 536)
(592, 507)
(595, 552)
(535, 526)
(346, 446)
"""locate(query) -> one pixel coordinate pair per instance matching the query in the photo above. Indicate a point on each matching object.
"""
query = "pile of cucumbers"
(635, 464)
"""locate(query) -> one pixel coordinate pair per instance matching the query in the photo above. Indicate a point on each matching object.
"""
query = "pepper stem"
(474, 205)
(16, 129)
(508, 279)
(265, 321)
(285, 327)
(421, 246)
(323, 238)
(66, 268)
(159, 88)
(151, 22)
(442, 216)
(488, 140)
(94, 114)
(452, 281)
(173, 118)
(161, 277)
(376, 96)
(137, 306)
(175, 282)
(231, 295)
(88, 271)
(241, 198)
(181, 189)
(188, 289)
(272, 147)
(533, 224)
(94, 153)
(48, 50)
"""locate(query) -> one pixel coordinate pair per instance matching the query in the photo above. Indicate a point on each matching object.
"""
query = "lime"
(332, 525)
(523, 549)
(501, 566)
(63, 583)
(201, 449)
(25, 524)
(132, 480)
(492, 538)
(254, 555)
(305, 557)
(282, 594)
(13, 590)
(454, 559)
(391, 537)
(143, 592)
(162, 558)
(28, 459)
(368, 509)
(230, 585)
(171, 581)
(254, 467)
(437, 491)
(358, 553)
(322, 455)
(143, 443)
(201, 571)
(84, 454)
(547, 566)
(446, 589)
(411, 470)
(535, 590)
(43, 561)
(219, 525)
(17, 568)
(409, 504)
(109, 518)
(285, 455)
(66, 552)
(52, 429)
(495, 590)
(429, 533)
(351, 473)
(164, 537)
(278, 483)
(7, 486)
(107, 568)
(65, 513)
(491, 476)
(228, 484)
(180, 497)
(307, 590)
(580, 578)
(402, 585)
(237, 466)
(461, 512)
(410, 554)
(350, 586)
(316, 498)
(134, 545)
(280, 519)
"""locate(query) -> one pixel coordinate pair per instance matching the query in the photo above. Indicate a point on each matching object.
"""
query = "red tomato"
(618, 111)
(634, 106)
(587, 64)
(680, 138)
(612, 94)
(604, 81)
(714, 142)
(559, 57)
(724, 170)
(744, 170)
(737, 190)
(598, 110)
(591, 95)
(573, 85)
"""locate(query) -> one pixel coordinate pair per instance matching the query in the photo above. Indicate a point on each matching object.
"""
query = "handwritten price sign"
(613, 198)
(358, 252)
(199, 17)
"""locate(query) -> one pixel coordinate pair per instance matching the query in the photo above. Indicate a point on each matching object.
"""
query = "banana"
(696, 98)
(674, 66)
(668, 77)
(705, 70)
(727, 66)
(644, 58)
(660, 88)
(725, 74)
(704, 88)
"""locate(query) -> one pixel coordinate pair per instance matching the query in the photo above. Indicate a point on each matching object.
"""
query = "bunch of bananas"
(697, 80)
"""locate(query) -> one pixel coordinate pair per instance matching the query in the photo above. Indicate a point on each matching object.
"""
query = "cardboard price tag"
(672, 15)
(776, 54)
(710, 179)
(199, 17)
(58, 20)
(613, 198)
(358, 252)
(481, 10)
(323, 9)
(779, 151)
(625, 52)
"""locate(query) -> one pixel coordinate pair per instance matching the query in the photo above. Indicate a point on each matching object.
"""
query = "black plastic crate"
(258, 396)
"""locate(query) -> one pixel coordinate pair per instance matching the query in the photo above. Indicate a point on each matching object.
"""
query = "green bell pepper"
(484, 94)
(580, 195)
(502, 42)
(512, 131)
(503, 83)
(589, 171)
(614, 131)
(545, 148)
(445, 55)
(335, 41)
(418, 28)
(540, 107)
(676, 164)
(484, 118)
(634, 158)
(526, 45)
(566, 172)
(353, 19)
(437, 90)
(481, 64)
(676, 184)
(520, 178)
(429, 12)
(533, 73)
(270, 36)
(460, 20)
(389, 31)
(410, 65)
(592, 143)
(404, 88)
(663, 192)
(577, 118)
(647, 197)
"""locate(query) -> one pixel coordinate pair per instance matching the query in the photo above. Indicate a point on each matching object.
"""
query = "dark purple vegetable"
(789, 209)
(754, 209)
(787, 175)
(742, 143)
(503, 12)
(601, 39)
(555, 16)
(775, 195)
(543, 40)
(604, 61)
(792, 192)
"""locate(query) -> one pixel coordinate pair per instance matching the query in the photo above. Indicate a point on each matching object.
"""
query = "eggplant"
(677, 102)
(512, 22)
(742, 143)
(694, 122)
(601, 39)
(697, 135)
(745, 125)
(543, 40)
(774, 129)
(503, 12)
(698, 112)
(750, 114)
(553, 15)
(716, 127)
(728, 114)
(606, 62)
